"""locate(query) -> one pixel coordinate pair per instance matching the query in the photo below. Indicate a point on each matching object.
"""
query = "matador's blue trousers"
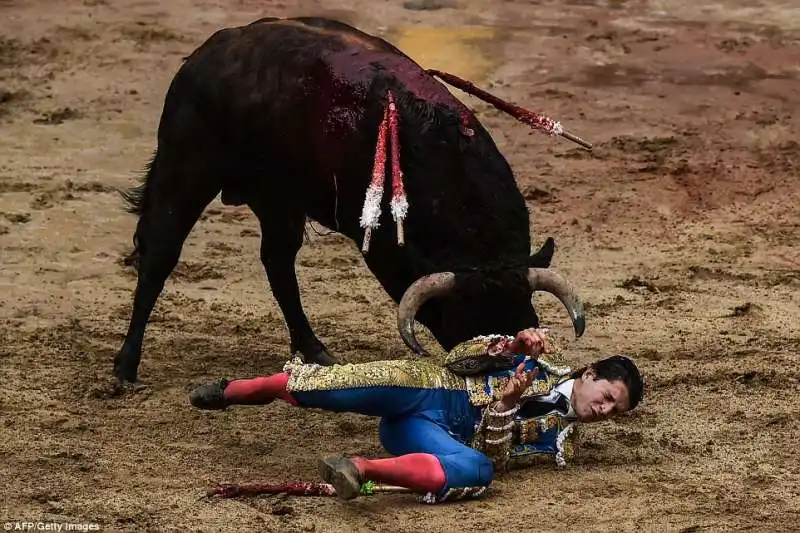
(440, 422)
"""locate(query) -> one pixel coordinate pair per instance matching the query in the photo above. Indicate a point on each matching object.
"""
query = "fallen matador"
(493, 404)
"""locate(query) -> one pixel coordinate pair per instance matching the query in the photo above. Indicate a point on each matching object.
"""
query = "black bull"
(281, 115)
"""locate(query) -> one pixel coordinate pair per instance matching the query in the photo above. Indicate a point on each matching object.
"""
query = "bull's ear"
(542, 258)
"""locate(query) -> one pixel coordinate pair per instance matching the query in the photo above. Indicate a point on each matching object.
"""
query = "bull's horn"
(544, 279)
(417, 294)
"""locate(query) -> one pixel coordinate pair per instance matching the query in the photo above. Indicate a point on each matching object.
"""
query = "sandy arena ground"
(680, 229)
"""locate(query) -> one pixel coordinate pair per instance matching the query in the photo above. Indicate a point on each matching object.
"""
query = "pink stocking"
(417, 471)
(258, 391)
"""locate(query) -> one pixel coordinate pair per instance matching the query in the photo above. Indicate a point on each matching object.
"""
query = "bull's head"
(466, 308)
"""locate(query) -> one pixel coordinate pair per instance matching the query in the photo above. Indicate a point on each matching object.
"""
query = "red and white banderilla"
(371, 212)
(388, 128)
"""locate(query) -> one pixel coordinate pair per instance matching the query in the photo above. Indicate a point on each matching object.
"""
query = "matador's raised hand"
(517, 384)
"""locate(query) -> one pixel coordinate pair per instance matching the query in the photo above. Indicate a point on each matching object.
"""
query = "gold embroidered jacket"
(487, 365)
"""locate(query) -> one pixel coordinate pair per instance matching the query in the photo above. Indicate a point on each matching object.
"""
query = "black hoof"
(210, 396)
(125, 374)
(116, 388)
(311, 351)
(125, 370)
(321, 357)
(343, 475)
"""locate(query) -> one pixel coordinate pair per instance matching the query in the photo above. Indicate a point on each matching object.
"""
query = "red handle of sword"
(296, 488)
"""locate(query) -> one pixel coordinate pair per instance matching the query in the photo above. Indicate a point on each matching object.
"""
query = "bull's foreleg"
(281, 239)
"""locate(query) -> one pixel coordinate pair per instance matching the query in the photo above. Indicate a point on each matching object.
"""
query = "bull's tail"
(136, 200)
(535, 120)
(136, 197)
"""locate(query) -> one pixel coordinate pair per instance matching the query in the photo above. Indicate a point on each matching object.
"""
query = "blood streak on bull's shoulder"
(344, 85)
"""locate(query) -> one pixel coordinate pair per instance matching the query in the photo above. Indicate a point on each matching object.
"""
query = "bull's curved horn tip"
(579, 323)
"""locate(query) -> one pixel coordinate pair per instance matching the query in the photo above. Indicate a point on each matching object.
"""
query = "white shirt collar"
(565, 389)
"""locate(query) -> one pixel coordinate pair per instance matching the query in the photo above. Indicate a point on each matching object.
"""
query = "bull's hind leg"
(173, 199)
(281, 239)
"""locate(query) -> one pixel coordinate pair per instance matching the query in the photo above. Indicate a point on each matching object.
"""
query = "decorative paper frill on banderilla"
(370, 215)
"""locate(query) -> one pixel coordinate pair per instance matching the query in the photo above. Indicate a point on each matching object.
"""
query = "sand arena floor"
(680, 228)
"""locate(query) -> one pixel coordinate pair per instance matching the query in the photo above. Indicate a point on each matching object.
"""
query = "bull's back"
(310, 93)
(283, 69)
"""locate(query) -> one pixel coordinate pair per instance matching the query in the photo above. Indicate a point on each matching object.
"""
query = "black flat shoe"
(210, 396)
(343, 475)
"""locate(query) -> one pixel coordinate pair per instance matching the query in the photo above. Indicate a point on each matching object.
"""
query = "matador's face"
(596, 399)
